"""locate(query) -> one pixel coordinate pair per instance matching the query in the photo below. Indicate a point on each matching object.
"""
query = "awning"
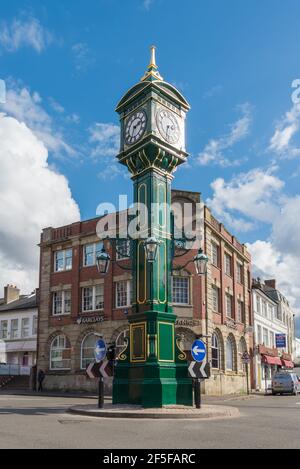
(287, 363)
(271, 360)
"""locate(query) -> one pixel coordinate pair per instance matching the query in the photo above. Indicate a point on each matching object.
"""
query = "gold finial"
(152, 57)
(152, 73)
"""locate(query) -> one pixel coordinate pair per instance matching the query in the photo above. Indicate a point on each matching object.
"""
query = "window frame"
(215, 347)
(217, 252)
(230, 341)
(93, 287)
(95, 251)
(63, 303)
(230, 297)
(119, 256)
(12, 335)
(226, 257)
(1, 329)
(187, 279)
(27, 328)
(239, 273)
(67, 342)
(91, 334)
(66, 268)
(128, 294)
(216, 291)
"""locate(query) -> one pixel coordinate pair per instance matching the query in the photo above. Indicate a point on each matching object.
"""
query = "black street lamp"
(103, 261)
(200, 262)
(150, 246)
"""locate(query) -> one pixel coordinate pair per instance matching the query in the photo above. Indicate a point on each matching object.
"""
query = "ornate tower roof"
(153, 79)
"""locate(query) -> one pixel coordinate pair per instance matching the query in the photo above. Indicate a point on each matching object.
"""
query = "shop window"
(60, 353)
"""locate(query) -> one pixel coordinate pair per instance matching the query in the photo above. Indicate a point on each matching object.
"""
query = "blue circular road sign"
(198, 350)
(100, 350)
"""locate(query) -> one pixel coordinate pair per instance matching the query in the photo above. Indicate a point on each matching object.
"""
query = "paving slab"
(165, 412)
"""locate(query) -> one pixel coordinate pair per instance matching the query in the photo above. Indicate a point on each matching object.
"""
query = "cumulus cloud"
(33, 196)
(214, 151)
(82, 56)
(26, 106)
(286, 128)
(24, 32)
(251, 194)
(258, 197)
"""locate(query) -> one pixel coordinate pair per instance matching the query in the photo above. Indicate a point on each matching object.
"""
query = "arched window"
(120, 341)
(229, 354)
(241, 349)
(60, 353)
(87, 350)
(215, 351)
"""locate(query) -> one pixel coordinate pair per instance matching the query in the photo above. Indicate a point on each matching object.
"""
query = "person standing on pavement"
(41, 377)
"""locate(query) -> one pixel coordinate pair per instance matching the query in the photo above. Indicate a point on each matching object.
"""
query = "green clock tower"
(152, 371)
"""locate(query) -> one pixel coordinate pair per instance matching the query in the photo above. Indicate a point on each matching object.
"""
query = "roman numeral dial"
(168, 126)
(135, 127)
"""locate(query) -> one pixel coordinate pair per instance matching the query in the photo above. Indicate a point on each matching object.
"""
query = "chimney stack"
(271, 283)
(11, 293)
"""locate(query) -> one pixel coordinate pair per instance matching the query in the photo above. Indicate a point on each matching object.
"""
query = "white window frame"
(34, 325)
(27, 328)
(187, 278)
(215, 254)
(128, 293)
(63, 303)
(65, 267)
(93, 287)
(12, 335)
(95, 250)
(226, 265)
(81, 350)
(2, 329)
(214, 347)
(119, 257)
(230, 341)
(215, 299)
(240, 312)
(60, 348)
(229, 297)
(239, 273)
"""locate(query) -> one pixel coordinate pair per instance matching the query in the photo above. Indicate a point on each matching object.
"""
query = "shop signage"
(89, 319)
(188, 322)
(280, 340)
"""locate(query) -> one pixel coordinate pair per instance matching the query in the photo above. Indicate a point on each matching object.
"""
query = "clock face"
(135, 127)
(168, 126)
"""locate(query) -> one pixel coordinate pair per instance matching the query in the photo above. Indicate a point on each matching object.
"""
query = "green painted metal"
(152, 371)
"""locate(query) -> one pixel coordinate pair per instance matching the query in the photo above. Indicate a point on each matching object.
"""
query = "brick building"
(76, 301)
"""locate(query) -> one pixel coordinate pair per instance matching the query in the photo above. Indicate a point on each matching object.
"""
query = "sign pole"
(197, 391)
(247, 378)
(101, 393)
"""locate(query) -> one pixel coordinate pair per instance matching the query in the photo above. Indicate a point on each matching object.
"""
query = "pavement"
(34, 421)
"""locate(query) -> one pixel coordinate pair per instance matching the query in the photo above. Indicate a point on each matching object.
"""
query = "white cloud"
(33, 196)
(27, 107)
(82, 56)
(27, 32)
(282, 140)
(147, 4)
(106, 137)
(258, 196)
(251, 194)
(105, 141)
(213, 152)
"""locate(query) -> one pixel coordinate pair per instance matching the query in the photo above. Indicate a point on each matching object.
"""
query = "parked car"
(285, 383)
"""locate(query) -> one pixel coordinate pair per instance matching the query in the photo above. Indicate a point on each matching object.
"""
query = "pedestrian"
(41, 377)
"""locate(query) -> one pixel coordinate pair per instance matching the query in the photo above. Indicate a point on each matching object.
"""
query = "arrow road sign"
(199, 370)
(107, 369)
(100, 350)
(198, 350)
(93, 370)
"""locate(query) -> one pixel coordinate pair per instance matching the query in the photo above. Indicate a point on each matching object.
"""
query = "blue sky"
(66, 65)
